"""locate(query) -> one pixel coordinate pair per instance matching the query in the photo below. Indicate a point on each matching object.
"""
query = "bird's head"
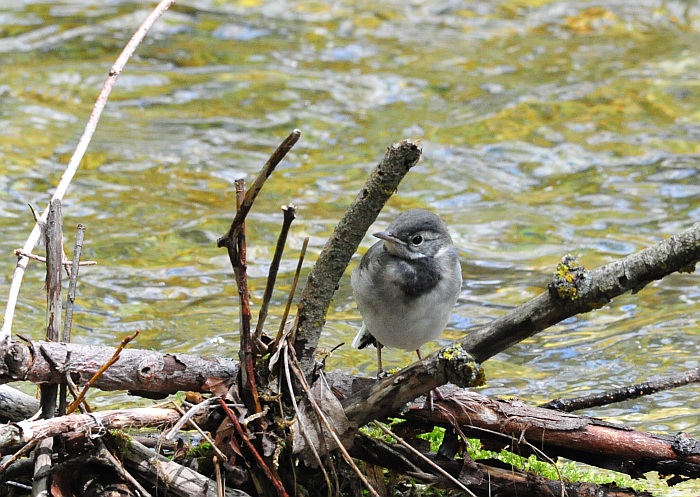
(415, 234)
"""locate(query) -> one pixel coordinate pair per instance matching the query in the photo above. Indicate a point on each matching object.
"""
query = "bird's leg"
(429, 398)
(380, 370)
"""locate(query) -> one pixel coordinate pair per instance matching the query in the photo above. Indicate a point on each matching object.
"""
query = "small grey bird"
(407, 284)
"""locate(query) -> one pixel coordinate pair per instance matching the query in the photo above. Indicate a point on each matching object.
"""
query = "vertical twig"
(292, 291)
(70, 303)
(74, 162)
(234, 241)
(290, 213)
(239, 262)
(54, 264)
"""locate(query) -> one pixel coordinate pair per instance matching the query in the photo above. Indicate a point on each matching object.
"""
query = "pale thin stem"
(74, 162)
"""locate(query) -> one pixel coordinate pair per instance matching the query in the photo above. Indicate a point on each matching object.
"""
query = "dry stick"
(290, 213)
(219, 477)
(328, 424)
(74, 162)
(624, 393)
(257, 185)
(115, 357)
(336, 254)
(70, 304)
(292, 291)
(54, 260)
(19, 454)
(418, 453)
(38, 258)
(281, 492)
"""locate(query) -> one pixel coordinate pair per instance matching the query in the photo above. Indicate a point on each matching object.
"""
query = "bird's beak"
(388, 237)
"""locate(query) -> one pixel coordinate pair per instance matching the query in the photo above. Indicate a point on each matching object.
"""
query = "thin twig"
(21, 253)
(115, 357)
(624, 393)
(74, 162)
(281, 492)
(219, 476)
(19, 454)
(416, 452)
(292, 291)
(289, 215)
(70, 303)
(257, 185)
(238, 258)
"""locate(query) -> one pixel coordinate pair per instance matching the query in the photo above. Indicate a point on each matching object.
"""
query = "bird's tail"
(363, 338)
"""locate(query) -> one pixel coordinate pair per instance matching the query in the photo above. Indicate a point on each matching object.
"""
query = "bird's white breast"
(408, 325)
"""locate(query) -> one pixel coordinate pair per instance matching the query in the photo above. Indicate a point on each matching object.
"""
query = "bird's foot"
(429, 399)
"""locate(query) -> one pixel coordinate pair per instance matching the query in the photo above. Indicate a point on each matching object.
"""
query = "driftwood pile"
(273, 422)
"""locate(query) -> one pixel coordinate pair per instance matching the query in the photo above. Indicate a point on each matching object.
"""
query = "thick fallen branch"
(139, 371)
(177, 479)
(17, 434)
(587, 291)
(480, 477)
(16, 405)
(603, 444)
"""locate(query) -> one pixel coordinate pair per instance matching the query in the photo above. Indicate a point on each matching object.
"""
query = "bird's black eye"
(417, 240)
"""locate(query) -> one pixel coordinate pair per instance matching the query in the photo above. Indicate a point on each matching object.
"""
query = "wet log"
(479, 477)
(593, 441)
(16, 405)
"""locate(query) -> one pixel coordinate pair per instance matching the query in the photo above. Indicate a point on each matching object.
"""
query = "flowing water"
(547, 127)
